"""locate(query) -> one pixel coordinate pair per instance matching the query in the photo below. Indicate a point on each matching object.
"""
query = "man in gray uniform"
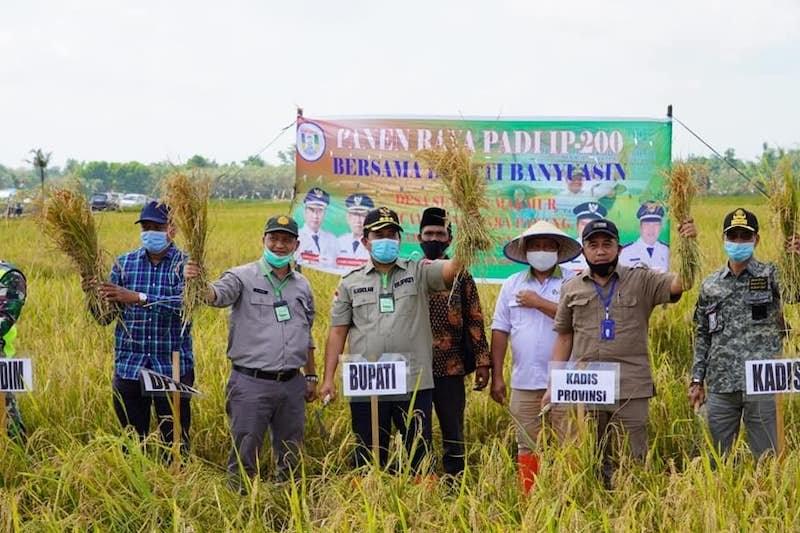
(269, 339)
(383, 308)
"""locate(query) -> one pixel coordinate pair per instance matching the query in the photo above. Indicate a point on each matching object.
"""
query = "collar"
(619, 271)
(402, 264)
(557, 273)
(266, 268)
(171, 249)
(752, 268)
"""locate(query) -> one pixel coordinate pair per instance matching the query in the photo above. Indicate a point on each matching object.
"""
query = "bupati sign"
(563, 171)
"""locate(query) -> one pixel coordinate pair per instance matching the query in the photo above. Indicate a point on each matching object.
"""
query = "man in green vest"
(12, 297)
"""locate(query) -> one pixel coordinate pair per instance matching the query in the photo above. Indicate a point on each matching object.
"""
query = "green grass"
(73, 475)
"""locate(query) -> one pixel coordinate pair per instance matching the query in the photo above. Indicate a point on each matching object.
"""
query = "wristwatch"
(142, 298)
(312, 378)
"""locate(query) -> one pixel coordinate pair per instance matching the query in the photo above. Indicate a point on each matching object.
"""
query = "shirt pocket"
(405, 300)
(714, 318)
(365, 307)
(581, 312)
(262, 305)
(628, 306)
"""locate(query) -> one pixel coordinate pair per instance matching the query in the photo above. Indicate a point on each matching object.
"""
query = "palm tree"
(40, 161)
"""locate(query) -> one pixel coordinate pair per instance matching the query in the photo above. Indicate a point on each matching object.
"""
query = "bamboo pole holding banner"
(376, 441)
(3, 411)
(176, 410)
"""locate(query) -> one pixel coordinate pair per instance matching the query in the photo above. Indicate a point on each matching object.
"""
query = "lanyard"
(384, 280)
(606, 298)
(277, 288)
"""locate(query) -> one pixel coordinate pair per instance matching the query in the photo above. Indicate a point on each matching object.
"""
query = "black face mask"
(603, 269)
(433, 249)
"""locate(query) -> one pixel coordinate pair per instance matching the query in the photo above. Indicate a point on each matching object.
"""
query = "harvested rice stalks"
(682, 190)
(784, 201)
(187, 199)
(467, 189)
(68, 222)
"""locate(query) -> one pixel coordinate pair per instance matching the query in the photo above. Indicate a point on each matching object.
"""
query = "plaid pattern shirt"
(146, 336)
(448, 313)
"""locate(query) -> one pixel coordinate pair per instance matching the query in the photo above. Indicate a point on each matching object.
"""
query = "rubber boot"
(528, 466)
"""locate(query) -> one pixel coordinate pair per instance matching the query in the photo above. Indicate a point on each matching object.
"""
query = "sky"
(154, 80)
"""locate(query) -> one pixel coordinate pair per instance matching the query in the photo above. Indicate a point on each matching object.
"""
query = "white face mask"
(542, 261)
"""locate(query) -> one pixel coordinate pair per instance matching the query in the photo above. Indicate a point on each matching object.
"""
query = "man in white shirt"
(647, 249)
(524, 314)
(350, 250)
(317, 246)
(584, 213)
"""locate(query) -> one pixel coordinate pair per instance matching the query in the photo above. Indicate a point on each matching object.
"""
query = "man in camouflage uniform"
(12, 297)
(738, 318)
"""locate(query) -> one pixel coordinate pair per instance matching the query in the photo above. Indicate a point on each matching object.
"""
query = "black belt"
(283, 375)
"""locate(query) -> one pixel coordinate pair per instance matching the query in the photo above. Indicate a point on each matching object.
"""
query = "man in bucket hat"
(524, 314)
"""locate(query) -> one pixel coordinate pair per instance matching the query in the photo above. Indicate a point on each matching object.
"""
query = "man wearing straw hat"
(739, 318)
(459, 341)
(603, 316)
(13, 290)
(524, 314)
(269, 341)
(383, 308)
(147, 287)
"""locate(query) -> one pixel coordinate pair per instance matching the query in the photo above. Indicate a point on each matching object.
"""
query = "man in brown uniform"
(603, 316)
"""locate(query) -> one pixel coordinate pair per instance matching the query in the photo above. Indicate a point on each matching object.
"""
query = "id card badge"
(282, 313)
(386, 303)
(607, 330)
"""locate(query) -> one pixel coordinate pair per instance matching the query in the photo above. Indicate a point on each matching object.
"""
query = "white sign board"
(155, 384)
(592, 383)
(771, 376)
(382, 378)
(16, 375)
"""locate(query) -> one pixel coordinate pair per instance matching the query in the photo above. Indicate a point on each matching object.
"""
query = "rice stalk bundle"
(682, 190)
(452, 163)
(187, 198)
(784, 201)
(66, 219)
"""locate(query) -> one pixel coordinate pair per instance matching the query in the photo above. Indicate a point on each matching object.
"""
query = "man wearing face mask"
(459, 341)
(269, 340)
(603, 316)
(146, 286)
(524, 314)
(383, 308)
(739, 318)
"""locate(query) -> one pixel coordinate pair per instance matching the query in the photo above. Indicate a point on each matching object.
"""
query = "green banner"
(561, 170)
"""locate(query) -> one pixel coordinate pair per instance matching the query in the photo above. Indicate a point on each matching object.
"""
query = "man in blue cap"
(351, 252)
(317, 246)
(146, 288)
(584, 213)
(647, 250)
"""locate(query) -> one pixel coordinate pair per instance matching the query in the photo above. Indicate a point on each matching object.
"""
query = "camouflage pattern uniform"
(738, 319)
(13, 289)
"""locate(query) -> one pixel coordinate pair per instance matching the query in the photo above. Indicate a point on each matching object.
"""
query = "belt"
(282, 375)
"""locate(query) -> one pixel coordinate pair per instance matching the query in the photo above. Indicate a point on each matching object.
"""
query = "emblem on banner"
(310, 141)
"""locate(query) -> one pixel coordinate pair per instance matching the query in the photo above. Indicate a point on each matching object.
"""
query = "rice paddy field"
(73, 474)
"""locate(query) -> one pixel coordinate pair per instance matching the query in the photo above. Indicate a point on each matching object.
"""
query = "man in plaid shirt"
(146, 286)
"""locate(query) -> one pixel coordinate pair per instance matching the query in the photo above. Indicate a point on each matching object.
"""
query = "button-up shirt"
(580, 312)
(406, 330)
(738, 318)
(530, 331)
(146, 336)
(256, 339)
(457, 324)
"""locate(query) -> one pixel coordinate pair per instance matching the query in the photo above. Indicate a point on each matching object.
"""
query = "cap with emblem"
(359, 203)
(590, 210)
(154, 212)
(380, 218)
(281, 223)
(740, 218)
(317, 196)
(600, 226)
(650, 212)
(434, 216)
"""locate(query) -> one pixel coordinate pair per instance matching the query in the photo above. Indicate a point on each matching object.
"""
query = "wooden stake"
(176, 410)
(781, 436)
(376, 446)
(3, 412)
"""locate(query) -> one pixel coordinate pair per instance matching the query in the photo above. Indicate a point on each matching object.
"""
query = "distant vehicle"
(133, 200)
(105, 201)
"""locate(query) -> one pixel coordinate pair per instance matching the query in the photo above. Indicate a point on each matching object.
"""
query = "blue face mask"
(385, 250)
(739, 251)
(155, 241)
(275, 260)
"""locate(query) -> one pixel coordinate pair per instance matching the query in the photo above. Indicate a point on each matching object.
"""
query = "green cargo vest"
(11, 335)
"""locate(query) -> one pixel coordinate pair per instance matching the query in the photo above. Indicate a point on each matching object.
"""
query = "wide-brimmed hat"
(568, 248)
